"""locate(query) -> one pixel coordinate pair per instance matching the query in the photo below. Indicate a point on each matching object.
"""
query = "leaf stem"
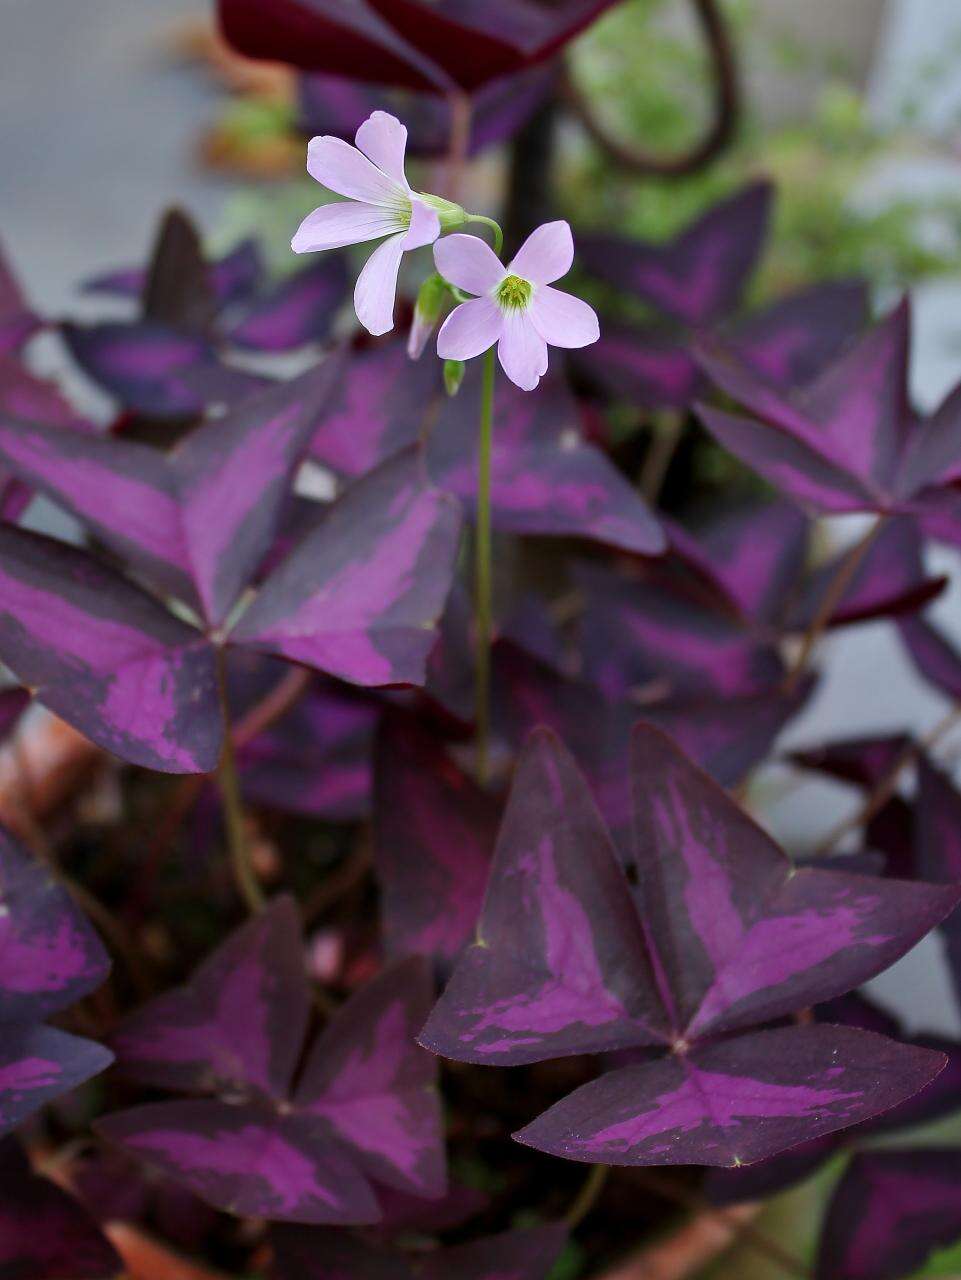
(494, 226)
(588, 1196)
(483, 573)
(830, 600)
(668, 430)
(228, 780)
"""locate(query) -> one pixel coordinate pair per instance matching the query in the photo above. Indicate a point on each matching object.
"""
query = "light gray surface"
(97, 127)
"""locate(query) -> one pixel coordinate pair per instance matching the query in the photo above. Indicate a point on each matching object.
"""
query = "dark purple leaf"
(752, 557)
(735, 1101)
(546, 479)
(367, 1079)
(106, 657)
(742, 935)
(560, 965)
(407, 42)
(758, 1181)
(49, 955)
(234, 277)
(890, 580)
(315, 760)
(434, 833)
(361, 596)
(790, 341)
(233, 477)
(889, 1212)
(649, 368)
(200, 521)
(380, 406)
(17, 321)
(248, 1160)
(699, 276)
(652, 632)
(721, 932)
(44, 1233)
(238, 1023)
(331, 105)
(934, 656)
(864, 762)
(299, 310)
(38, 1064)
(143, 364)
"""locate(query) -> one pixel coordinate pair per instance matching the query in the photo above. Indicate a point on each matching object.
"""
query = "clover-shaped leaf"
(721, 934)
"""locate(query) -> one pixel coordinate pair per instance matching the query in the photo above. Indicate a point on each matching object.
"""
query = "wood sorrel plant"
(655, 981)
(514, 308)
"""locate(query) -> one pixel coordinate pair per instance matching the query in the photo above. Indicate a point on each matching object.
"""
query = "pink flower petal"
(334, 225)
(469, 263)
(522, 350)
(424, 225)
(383, 139)
(546, 254)
(376, 287)
(563, 320)
(337, 165)
(470, 329)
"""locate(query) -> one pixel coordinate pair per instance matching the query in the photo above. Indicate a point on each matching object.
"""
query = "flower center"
(514, 293)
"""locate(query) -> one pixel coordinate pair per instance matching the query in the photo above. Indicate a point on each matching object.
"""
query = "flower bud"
(427, 311)
(454, 371)
(451, 215)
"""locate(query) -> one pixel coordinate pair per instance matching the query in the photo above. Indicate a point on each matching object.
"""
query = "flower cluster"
(514, 307)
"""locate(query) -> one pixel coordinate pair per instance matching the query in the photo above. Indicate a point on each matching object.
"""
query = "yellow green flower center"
(514, 293)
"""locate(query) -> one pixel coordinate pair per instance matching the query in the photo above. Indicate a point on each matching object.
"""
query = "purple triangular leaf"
(240, 1021)
(560, 965)
(367, 1079)
(735, 1101)
(44, 1233)
(753, 556)
(742, 936)
(38, 1064)
(935, 658)
(890, 580)
(49, 955)
(360, 597)
(789, 463)
(143, 364)
(331, 104)
(378, 408)
(546, 479)
(434, 834)
(233, 476)
(652, 633)
(316, 759)
(889, 1212)
(301, 309)
(790, 341)
(247, 1160)
(234, 277)
(643, 365)
(864, 762)
(106, 657)
(700, 275)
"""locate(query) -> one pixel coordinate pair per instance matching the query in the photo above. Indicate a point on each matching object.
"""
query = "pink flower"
(380, 203)
(516, 306)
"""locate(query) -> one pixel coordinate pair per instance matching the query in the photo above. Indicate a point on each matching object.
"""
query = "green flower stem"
(483, 573)
(494, 226)
(228, 780)
(588, 1196)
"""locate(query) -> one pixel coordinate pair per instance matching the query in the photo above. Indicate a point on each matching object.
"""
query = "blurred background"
(111, 110)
